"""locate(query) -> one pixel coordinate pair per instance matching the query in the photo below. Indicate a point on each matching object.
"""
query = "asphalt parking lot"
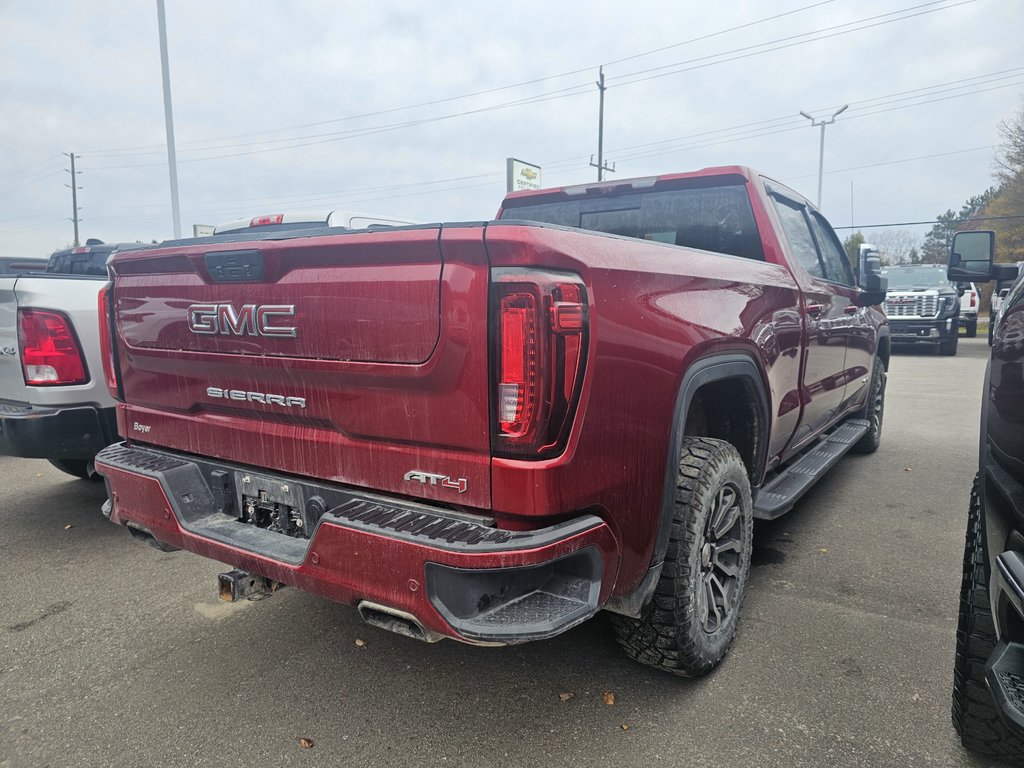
(114, 654)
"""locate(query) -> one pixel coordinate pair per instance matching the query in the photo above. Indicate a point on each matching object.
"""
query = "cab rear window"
(711, 218)
(93, 263)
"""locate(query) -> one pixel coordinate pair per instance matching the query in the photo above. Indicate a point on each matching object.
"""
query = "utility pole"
(600, 164)
(821, 147)
(172, 162)
(74, 194)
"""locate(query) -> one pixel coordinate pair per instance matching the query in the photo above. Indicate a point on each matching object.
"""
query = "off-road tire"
(948, 348)
(972, 329)
(974, 712)
(80, 468)
(671, 633)
(874, 410)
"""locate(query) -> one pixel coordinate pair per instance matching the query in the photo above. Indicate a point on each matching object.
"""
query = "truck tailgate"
(12, 383)
(74, 297)
(356, 358)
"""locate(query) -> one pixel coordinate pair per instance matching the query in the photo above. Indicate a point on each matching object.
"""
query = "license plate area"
(273, 504)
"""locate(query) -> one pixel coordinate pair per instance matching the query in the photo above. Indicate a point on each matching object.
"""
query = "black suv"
(923, 307)
(988, 675)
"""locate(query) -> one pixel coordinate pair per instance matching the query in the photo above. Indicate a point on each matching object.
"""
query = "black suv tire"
(80, 468)
(689, 625)
(974, 712)
(972, 328)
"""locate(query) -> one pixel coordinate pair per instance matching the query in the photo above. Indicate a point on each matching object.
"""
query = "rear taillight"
(262, 221)
(539, 342)
(50, 352)
(974, 299)
(104, 311)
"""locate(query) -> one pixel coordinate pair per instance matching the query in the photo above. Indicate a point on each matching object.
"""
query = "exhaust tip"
(394, 620)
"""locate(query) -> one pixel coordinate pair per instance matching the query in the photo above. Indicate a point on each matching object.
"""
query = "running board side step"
(1005, 681)
(784, 490)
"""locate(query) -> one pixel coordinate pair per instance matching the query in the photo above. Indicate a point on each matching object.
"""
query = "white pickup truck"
(970, 300)
(54, 402)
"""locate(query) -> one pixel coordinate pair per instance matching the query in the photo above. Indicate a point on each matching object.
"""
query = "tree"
(1010, 157)
(895, 245)
(852, 246)
(935, 249)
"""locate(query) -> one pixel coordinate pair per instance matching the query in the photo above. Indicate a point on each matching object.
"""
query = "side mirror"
(1005, 273)
(869, 272)
(870, 280)
(970, 257)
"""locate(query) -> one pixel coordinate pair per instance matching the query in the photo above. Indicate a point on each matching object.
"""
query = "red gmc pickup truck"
(492, 431)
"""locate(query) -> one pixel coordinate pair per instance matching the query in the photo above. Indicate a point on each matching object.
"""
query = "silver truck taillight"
(50, 352)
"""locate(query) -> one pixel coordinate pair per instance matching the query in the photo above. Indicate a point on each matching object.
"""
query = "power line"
(895, 162)
(931, 221)
(484, 92)
(30, 182)
(568, 92)
(791, 41)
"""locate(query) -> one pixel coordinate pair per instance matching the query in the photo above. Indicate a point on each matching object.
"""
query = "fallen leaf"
(625, 727)
(306, 743)
(69, 525)
(908, 469)
(360, 643)
(39, 474)
(565, 696)
(608, 698)
(823, 550)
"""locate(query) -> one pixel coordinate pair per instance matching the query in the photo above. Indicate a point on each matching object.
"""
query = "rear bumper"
(454, 575)
(971, 318)
(922, 331)
(55, 433)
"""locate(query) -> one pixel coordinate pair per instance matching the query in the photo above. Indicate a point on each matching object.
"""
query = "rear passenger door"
(826, 311)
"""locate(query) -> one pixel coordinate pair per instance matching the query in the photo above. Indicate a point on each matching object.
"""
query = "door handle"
(851, 309)
(814, 309)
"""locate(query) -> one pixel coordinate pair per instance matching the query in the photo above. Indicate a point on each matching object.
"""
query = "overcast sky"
(371, 107)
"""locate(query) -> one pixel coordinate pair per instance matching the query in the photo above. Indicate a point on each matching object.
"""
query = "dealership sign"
(520, 175)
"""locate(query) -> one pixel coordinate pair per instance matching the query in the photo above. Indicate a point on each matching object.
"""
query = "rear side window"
(716, 218)
(801, 243)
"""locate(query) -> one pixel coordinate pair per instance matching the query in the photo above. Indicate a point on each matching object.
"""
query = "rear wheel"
(972, 328)
(874, 410)
(80, 468)
(974, 712)
(689, 625)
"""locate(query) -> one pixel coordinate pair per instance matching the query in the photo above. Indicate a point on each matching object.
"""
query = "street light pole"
(172, 161)
(821, 146)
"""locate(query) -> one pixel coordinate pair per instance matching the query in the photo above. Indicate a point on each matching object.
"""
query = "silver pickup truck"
(54, 403)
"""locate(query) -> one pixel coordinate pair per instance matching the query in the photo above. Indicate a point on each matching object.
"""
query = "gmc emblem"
(249, 320)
